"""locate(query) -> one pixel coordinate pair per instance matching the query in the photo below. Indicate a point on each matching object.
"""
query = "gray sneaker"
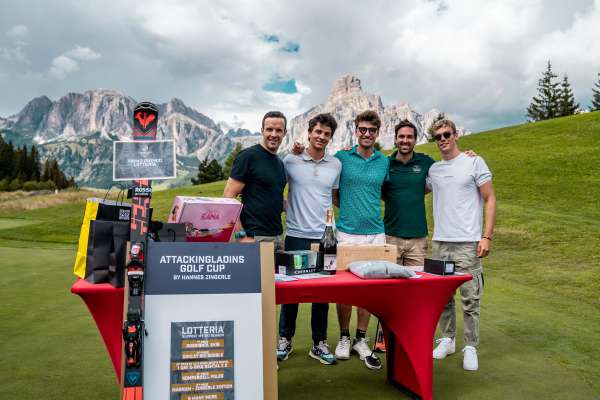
(321, 352)
(284, 349)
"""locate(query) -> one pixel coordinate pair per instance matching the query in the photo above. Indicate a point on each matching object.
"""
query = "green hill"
(541, 309)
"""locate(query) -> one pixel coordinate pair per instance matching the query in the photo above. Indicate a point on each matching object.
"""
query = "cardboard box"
(362, 252)
(207, 219)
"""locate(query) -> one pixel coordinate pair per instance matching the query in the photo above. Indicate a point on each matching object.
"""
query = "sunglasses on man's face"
(364, 129)
(446, 135)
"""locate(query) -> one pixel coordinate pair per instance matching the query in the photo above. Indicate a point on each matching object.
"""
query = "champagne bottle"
(328, 247)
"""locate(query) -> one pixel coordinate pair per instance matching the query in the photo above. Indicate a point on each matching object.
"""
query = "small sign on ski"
(143, 159)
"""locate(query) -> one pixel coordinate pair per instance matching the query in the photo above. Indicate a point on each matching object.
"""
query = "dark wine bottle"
(328, 247)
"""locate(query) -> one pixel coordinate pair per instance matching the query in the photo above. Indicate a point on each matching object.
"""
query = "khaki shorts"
(411, 252)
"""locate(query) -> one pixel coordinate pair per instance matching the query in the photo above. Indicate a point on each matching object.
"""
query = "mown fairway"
(541, 308)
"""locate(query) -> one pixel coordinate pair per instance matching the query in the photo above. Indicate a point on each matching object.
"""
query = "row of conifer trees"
(21, 169)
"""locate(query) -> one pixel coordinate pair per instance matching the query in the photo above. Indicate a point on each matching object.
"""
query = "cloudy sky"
(477, 60)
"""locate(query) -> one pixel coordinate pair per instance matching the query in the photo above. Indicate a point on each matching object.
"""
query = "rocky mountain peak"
(33, 113)
(346, 100)
(101, 92)
(344, 86)
(176, 105)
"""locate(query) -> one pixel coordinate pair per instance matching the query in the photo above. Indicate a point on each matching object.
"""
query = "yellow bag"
(96, 209)
(91, 210)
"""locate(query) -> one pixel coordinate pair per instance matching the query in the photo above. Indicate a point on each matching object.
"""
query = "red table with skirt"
(408, 309)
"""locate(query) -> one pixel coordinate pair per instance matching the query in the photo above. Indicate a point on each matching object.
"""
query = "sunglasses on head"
(364, 129)
(446, 135)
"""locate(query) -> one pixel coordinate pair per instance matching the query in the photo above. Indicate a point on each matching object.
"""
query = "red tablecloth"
(408, 309)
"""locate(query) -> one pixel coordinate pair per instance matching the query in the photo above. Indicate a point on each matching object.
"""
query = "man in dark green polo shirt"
(404, 218)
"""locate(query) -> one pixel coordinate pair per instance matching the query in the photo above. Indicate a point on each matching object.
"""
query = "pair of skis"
(145, 121)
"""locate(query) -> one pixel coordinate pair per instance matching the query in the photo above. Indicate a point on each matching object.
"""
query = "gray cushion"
(377, 269)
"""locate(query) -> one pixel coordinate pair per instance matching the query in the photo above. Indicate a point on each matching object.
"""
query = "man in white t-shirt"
(462, 189)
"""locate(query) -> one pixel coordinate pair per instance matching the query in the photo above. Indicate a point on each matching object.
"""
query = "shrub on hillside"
(15, 184)
(4, 185)
(30, 186)
(46, 185)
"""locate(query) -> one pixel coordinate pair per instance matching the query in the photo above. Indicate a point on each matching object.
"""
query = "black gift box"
(439, 267)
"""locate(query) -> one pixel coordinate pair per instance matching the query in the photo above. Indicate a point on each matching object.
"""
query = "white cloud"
(15, 51)
(62, 66)
(302, 88)
(83, 53)
(67, 63)
(18, 31)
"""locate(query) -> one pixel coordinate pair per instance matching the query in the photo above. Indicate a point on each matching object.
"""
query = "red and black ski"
(145, 119)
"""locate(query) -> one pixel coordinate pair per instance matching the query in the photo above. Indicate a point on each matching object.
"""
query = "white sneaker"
(342, 350)
(361, 346)
(445, 347)
(470, 362)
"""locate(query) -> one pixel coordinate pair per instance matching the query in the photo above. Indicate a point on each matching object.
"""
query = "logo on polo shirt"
(416, 169)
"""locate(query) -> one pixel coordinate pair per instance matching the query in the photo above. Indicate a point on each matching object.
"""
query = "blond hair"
(443, 123)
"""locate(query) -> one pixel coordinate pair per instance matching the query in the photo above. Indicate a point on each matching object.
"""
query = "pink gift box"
(207, 219)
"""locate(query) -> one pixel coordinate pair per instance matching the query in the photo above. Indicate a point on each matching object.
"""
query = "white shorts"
(349, 238)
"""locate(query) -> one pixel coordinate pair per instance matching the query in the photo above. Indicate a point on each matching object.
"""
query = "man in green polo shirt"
(404, 195)
(404, 219)
(364, 171)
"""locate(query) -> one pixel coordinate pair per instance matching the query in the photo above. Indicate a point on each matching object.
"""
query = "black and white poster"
(202, 360)
(203, 315)
(143, 159)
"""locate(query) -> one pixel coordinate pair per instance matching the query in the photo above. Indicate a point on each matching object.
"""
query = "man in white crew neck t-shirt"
(462, 190)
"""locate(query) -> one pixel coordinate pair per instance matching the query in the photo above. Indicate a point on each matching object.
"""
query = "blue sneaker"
(284, 349)
(321, 352)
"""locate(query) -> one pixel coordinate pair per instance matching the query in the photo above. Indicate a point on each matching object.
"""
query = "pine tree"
(566, 101)
(208, 172)
(33, 165)
(230, 159)
(214, 172)
(596, 96)
(52, 175)
(7, 156)
(20, 163)
(199, 179)
(46, 172)
(546, 104)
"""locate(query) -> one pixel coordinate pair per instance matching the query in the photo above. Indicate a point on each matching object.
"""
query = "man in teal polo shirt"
(364, 171)
(404, 219)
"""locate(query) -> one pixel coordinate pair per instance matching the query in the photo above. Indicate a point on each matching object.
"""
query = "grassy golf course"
(540, 326)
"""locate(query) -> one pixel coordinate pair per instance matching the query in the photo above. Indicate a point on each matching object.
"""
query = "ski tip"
(146, 105)
(132, 393)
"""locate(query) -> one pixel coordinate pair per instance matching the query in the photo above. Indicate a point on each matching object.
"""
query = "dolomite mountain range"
(78, 129)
